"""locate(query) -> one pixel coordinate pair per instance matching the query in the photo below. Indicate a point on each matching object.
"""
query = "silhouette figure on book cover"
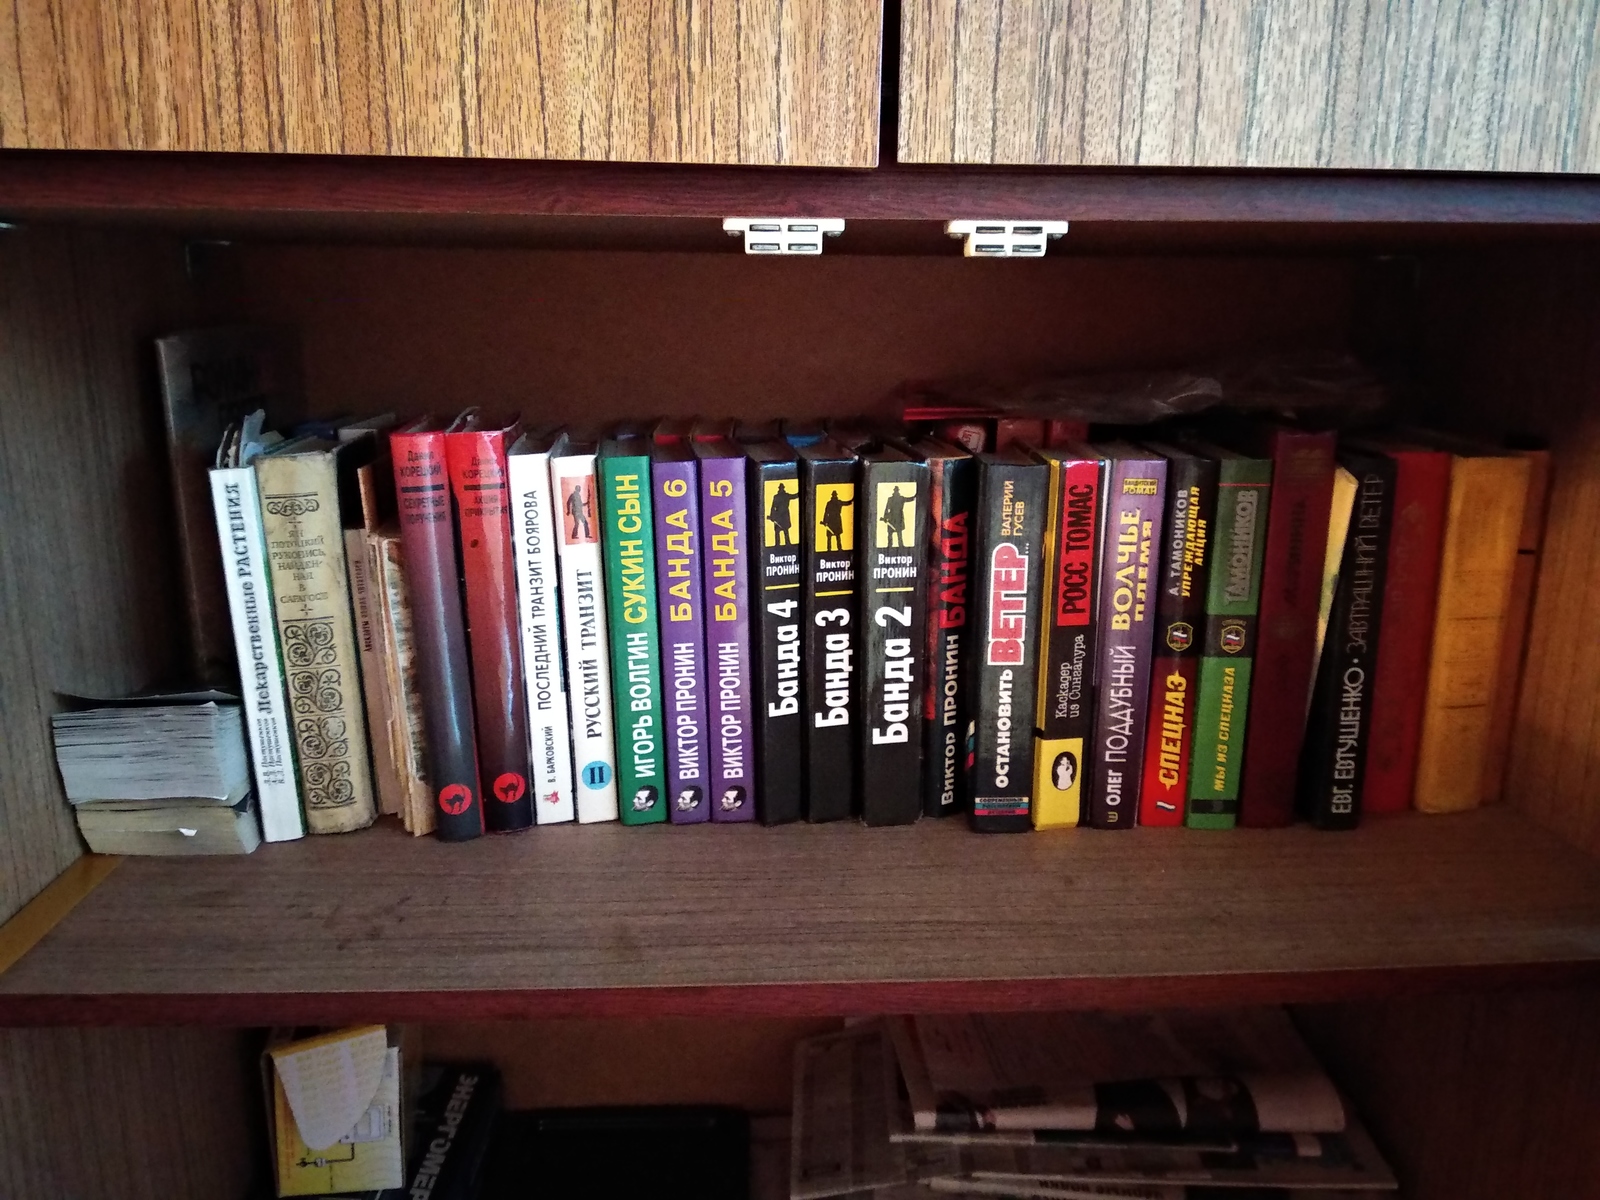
(576, 502)
(831, 523)
(892, 516)
(780, 513)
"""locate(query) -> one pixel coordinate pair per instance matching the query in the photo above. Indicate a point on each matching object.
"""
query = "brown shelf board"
(813, 920)
(211, 188)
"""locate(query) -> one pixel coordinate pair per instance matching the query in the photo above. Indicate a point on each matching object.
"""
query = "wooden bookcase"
(1449, 968)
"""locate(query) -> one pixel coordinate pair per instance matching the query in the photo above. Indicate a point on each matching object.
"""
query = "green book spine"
(1233, 598)
(629, 537)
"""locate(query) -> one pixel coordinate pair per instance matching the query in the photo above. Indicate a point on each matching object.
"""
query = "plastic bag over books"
(1111, 398)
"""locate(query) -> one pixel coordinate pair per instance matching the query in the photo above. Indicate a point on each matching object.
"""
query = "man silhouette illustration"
(577, 507)
(833, 519)
(778, 514)
(894, 517)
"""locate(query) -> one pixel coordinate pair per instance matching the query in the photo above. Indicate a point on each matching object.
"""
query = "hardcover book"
(725, 569)
(1333, 760)
(831, 613)
(1180, 625)
(574, 488)
(629, 524)
(533, 542)
(1233, 601)
(1065, 718)
(433, 581)
(1012, 486)
(1291, 582)
(1130, 568)
(890, 525)
(300, 482)
(952, 494)
(475, 452)
(675, 480)
(774, 489)
(1410, 591)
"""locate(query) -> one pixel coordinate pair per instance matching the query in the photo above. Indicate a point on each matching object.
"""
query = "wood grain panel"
(1466, 85)
(85, 576)
(1475, 1097)
(127, 1114)
(605, 920)
(792, 82)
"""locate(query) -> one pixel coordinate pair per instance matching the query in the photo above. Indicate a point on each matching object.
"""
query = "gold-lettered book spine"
(311, 603)
(1482, 531)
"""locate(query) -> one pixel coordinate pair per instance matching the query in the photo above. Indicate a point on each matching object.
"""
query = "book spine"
(1333, 761)
(1487, 496)
(1065, 716)
(1410, 591)
(477, 464)
(1129, 570)
(725, 563)
(629, 538)
(831, 614)
(676, 485)
(539, 603)
(588, 644)
(1291, 587)
(1232, 604)
(1180, 619)
(364, 601)
(775, 510)
(890, 524)
(433, 581)
(1012, 500)
(408, 734)
(311, 601)
(952, 486)
(255, 639)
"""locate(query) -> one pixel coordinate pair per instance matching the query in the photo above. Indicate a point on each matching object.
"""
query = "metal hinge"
(783, 235)
(1005, 239)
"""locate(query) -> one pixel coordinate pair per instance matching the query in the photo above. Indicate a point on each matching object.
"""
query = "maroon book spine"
(1291, 588)
(427, 536)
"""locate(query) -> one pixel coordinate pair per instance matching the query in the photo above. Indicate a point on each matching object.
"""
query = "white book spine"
(255, 639)
(533, 534)
(583, 624)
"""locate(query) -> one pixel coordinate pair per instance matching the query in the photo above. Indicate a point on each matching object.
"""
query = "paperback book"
(774, 490)
(675, 480)
(831, 614)
(725, 564)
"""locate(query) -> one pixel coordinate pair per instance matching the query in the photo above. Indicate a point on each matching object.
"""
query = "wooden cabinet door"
(725, 81)
(1469, 85)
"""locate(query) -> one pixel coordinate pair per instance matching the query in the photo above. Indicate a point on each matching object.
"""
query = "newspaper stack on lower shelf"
(1155, 1106)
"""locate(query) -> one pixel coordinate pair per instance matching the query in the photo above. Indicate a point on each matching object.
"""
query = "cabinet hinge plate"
(784, 235)
(1005, 239)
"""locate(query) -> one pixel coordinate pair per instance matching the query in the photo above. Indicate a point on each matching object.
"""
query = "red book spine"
(477, 461)
(1291, 588)
(427, 540)
(1416, 549)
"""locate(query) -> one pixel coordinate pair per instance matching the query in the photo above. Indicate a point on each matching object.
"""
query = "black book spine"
(775, 532)
(1012, 498)
(1333, 761)
(830, 613)
(890, 524)
(953, 489)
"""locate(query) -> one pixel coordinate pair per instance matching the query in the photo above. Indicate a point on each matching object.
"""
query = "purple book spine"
(727, 582)
(1129, 582)
(683, 638)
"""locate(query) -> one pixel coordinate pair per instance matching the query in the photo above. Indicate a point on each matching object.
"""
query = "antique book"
(175, 827)
(890, 521)
(408, 740)
(774, 494)
(433, 583)
(831, 612)
(1186, 553)
(1009, 557)
(725, 571)
(533, 542)
(1064, 722)
(628, 534)
(675, 483)
(1130, 569)
(301, 482)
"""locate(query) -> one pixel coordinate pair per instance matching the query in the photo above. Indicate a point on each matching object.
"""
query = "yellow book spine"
(1053, 807)
(1482, 531)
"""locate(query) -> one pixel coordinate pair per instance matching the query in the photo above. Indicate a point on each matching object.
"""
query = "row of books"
(1227, 621)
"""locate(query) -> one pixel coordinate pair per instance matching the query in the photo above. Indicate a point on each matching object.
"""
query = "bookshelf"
(1409, 947)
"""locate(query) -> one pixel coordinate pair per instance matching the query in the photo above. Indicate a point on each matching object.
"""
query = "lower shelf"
(813, 920)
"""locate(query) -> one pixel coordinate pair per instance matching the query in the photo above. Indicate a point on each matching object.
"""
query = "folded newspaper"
(1199, 1074)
